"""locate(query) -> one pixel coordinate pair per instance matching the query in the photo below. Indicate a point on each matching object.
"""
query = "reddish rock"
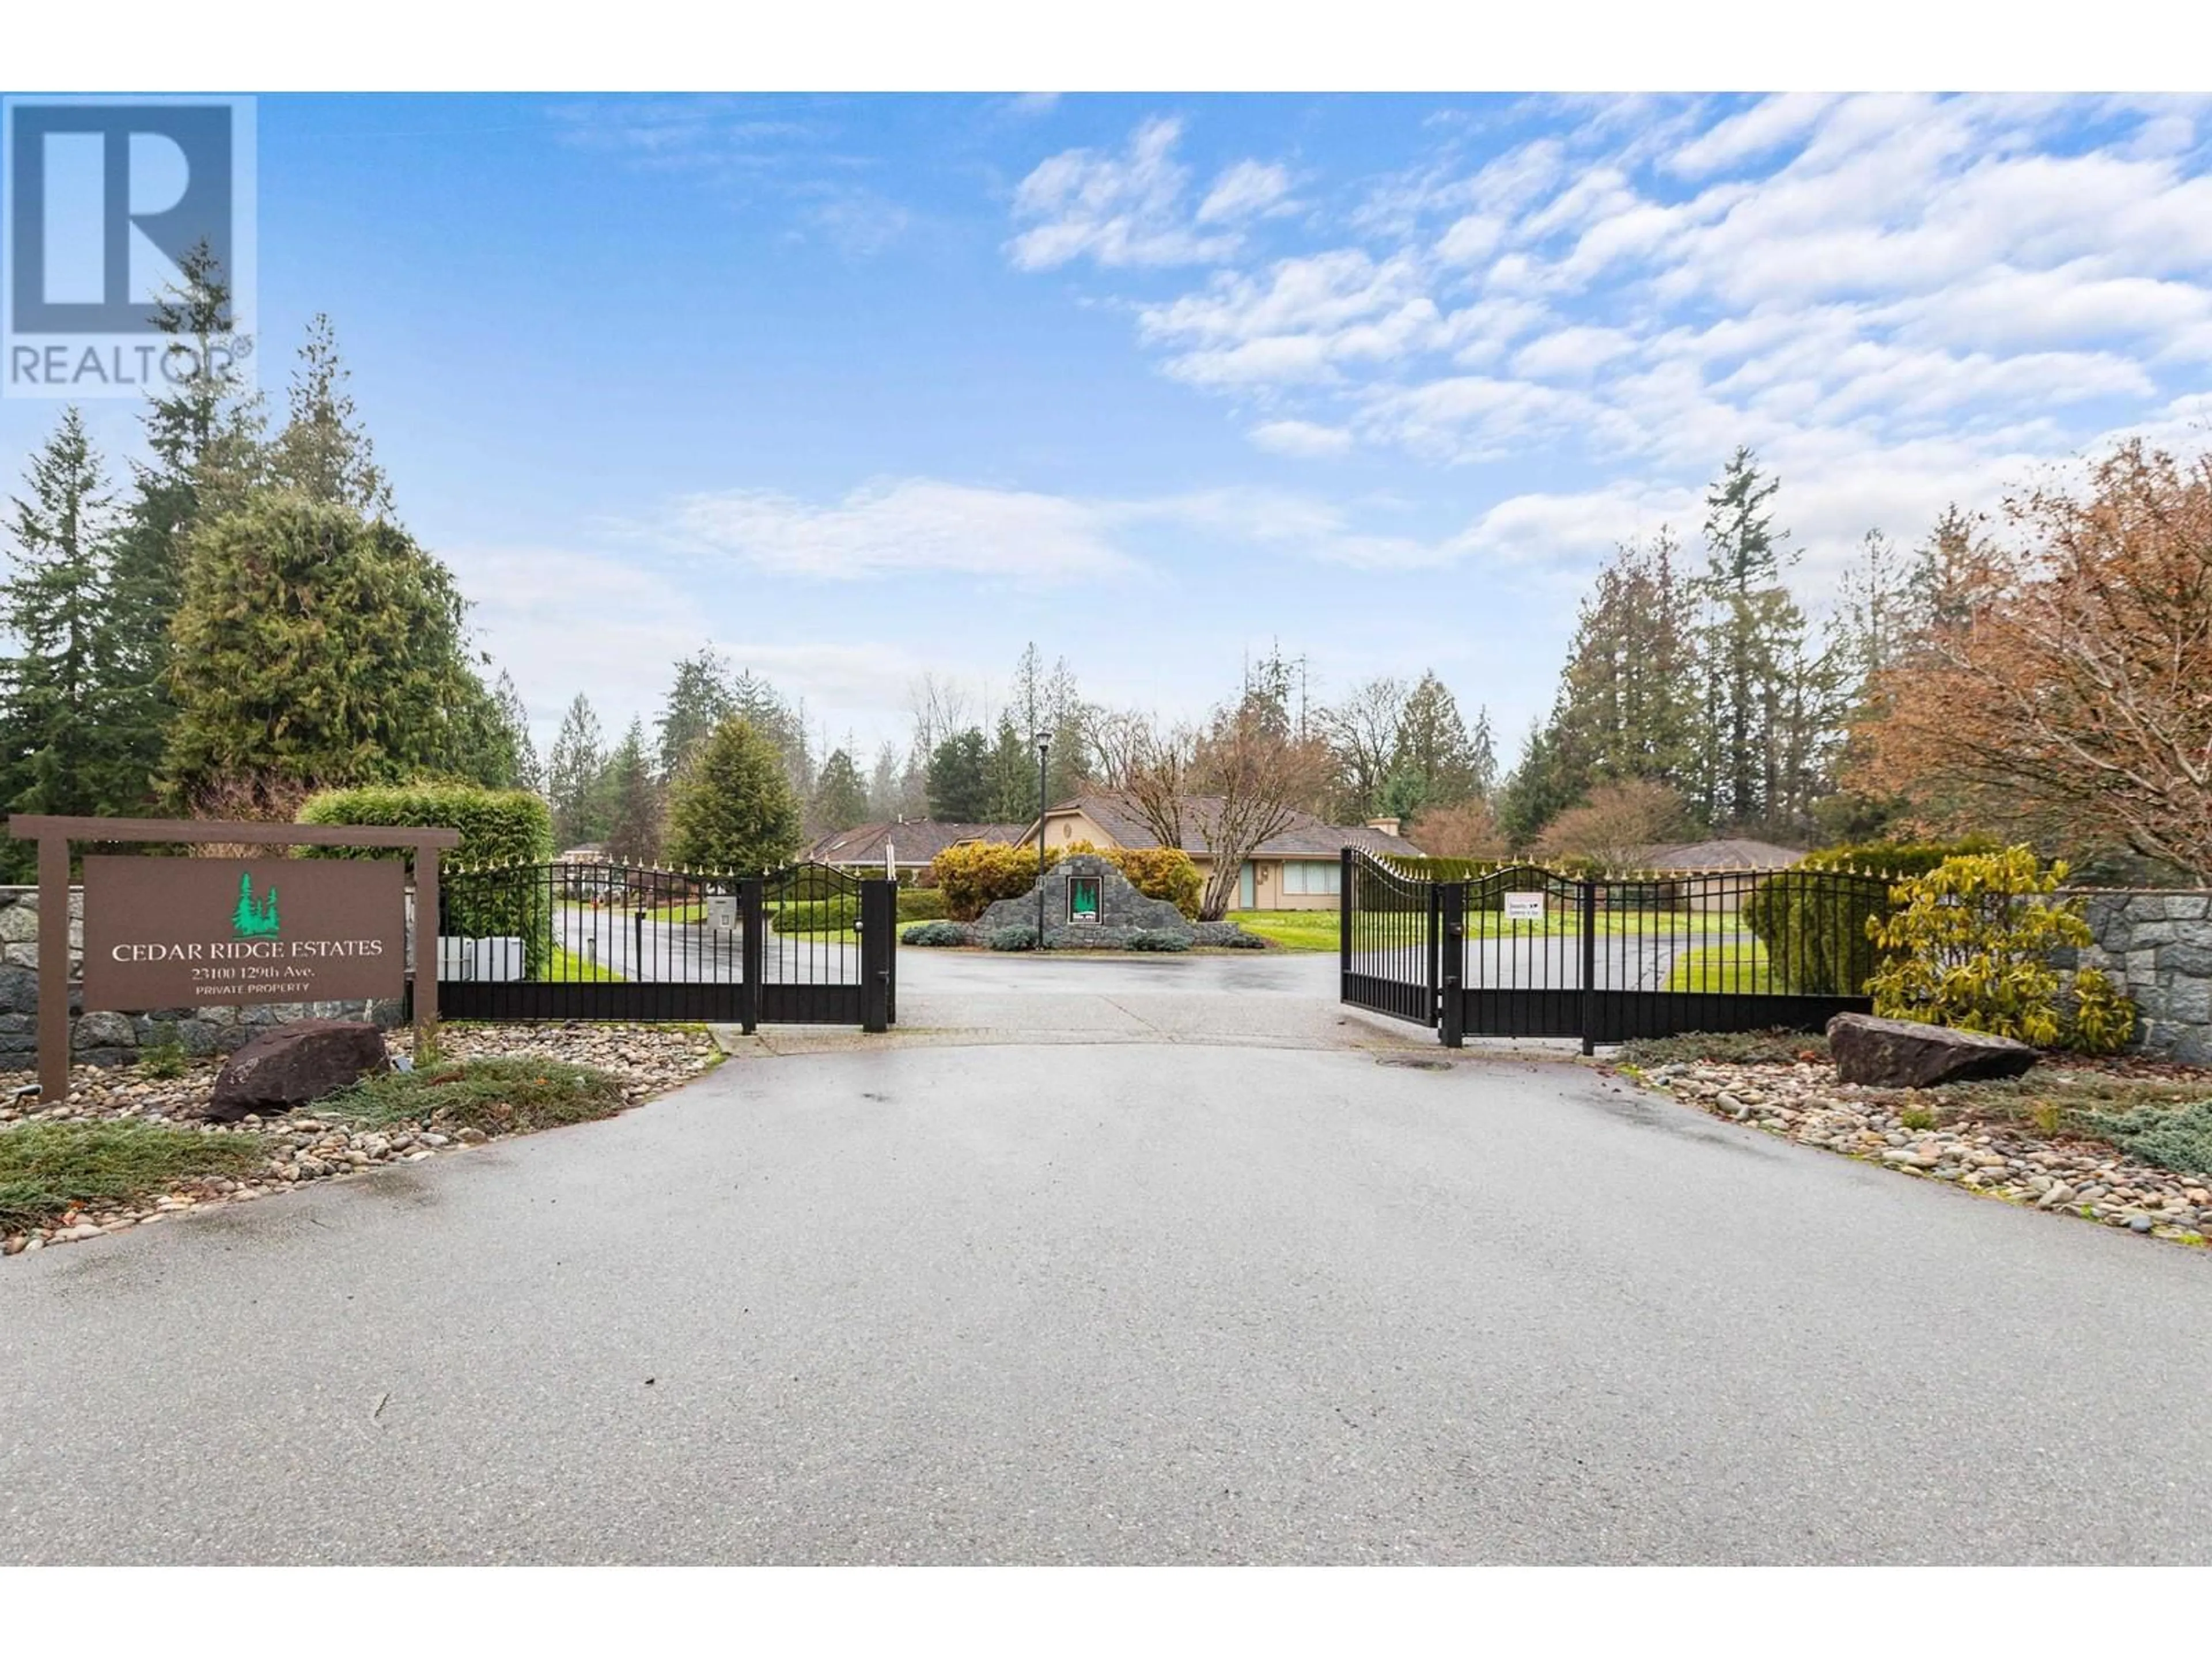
(292, 1064)
(1903, 1054)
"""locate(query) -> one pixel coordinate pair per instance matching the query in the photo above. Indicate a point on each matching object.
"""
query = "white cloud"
(1243, 190)
(908, 526)
(1124, 209)
(1302, 438)
(1765, 127)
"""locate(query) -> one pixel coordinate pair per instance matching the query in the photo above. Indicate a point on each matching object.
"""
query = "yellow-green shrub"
(981, 873)
(1969, 945)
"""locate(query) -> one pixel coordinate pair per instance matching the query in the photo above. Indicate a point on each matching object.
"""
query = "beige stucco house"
(1297, 870)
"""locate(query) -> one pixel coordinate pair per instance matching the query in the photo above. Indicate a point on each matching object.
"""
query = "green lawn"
(568, 965)
(694, 910)
(1294, 930)
(1737, 965)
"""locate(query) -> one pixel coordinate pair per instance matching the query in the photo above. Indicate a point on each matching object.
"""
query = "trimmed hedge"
(497, 826)
(1817, 926)
(1899, 859)
(817, 916)
(920, 904)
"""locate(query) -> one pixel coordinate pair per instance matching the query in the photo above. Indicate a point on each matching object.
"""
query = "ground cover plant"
(48, 1169)
(495, 1094)
(1769, 1048)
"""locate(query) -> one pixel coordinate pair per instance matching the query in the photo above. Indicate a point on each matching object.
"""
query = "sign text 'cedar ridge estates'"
(166, 933)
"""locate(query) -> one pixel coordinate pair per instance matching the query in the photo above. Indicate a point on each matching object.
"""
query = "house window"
(1313, 876)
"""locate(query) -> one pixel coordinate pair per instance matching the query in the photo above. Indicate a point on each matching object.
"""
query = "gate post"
(878, 937)
(1347, 897)
(752, 920)
(1452, 897)
(1589, 967)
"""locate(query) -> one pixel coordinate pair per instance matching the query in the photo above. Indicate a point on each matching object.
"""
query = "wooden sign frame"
(54, 835)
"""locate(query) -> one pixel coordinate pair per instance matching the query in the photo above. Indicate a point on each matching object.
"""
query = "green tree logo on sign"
(252, 921)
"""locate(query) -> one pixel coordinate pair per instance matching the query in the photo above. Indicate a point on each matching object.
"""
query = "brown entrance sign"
(255, 916)
(182, 932)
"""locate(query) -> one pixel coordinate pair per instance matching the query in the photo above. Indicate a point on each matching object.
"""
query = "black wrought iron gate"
(809, 944)
(1527, 951)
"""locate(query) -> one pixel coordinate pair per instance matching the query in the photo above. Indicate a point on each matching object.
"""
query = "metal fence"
(806, 945)
(1528, 951)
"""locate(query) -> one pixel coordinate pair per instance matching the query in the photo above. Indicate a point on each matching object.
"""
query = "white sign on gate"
(1524, 907)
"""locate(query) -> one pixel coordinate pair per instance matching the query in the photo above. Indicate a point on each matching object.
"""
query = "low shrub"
(1969, 946)
(1158, 939)
(2178, 1139)
(935, 932)
(1012, 938)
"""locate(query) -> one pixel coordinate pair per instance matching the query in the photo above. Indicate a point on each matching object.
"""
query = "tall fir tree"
(733, 808)
(884, 786)
(1433, 764)
(575, 774)
(203, 432)
(523, 771)
(841, 799)
(1010, 776)
(633, 801)
(322, 451)
(1754, 634)
(959, 779)
(697, 704)
(58, 753)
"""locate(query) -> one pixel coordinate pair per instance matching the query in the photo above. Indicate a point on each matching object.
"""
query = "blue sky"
(862, 387)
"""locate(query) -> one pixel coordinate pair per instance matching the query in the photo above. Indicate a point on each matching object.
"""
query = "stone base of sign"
(1121, 908)
(100, 1038)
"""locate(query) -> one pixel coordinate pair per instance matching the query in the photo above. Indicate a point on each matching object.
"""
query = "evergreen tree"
(959, 779)
(58, 753)
(1434, 763)
(1009, 777)
(733, 808)
(575, 775)
(697, 704)
(522, 770)
(323, 453)
(204, 435)
(1754, 634)
(783, 724)
(1536, 792)
(840, 799)
(315, 650)
(884, 786)
(633, 801)
(1482, 754)
(1628, 704)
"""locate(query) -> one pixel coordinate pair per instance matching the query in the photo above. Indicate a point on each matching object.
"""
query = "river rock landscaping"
(2038, 1140)
(122, 1129)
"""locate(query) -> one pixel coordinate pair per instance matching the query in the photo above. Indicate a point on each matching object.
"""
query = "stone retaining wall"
(2157, 947)
(99, 1038)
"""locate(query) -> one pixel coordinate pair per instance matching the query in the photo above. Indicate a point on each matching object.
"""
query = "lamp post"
(1043, 748)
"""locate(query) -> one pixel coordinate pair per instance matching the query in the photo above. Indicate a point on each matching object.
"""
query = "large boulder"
(294, 1064)
(1903, 1054)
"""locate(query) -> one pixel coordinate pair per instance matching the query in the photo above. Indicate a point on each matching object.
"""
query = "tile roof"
(915, 842)
(1726, 853)
(1307, 836)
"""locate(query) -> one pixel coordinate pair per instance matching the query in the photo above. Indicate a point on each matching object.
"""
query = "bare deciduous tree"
(1617, 824)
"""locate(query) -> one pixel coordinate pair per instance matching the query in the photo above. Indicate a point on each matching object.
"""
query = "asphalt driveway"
(1138, 1303)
